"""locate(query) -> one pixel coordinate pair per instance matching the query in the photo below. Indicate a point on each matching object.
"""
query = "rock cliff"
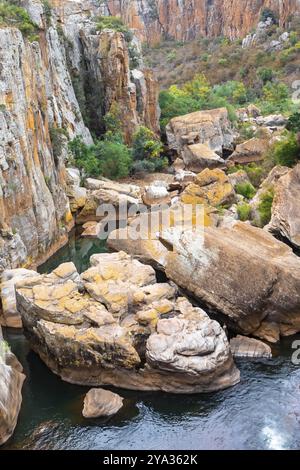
(37, 99)
(44, 98)
(188, 19)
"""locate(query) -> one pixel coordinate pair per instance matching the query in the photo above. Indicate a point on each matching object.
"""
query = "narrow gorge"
(187, 305)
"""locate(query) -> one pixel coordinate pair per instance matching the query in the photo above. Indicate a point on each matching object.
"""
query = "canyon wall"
(43, 103)
(189, 19)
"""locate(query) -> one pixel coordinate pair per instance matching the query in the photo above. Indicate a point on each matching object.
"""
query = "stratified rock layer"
(241, 272)
(190, 19)
(117, 326)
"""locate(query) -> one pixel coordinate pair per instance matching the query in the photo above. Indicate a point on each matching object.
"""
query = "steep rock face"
(117, 326)
(100, 66)
(189, 19)
(285, 220)
(134, 92)
(36, 97)
(11, 381)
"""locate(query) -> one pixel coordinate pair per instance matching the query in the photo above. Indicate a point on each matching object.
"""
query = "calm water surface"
(262, 412)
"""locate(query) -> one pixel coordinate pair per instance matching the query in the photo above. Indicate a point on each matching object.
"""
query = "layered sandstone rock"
(135, 93)
(253, 150)
(118, 326)
(211, 128)
(285, 220)
(241, 272)
(197, 157)
(36, 97)
(186, 20)
(11, 382)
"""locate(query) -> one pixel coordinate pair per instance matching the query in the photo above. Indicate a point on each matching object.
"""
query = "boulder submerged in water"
(100, 403)
(119, 327)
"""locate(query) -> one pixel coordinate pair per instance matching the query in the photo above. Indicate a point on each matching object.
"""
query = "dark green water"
(262, 412)
(79, 250)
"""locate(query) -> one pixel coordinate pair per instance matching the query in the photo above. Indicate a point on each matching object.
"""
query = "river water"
(262, 412)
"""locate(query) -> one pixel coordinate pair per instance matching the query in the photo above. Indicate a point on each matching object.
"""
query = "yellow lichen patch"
(138, 296)
(148, 317)
(211, 188)
(64, 270)
(75, 305)
(68, 217)
(163, 307)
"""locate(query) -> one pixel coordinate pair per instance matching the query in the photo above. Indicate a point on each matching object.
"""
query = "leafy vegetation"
(293, 124)
(146, 151)
(115, 23)
(265, 207)
(287, 151)
(244, 211)
(246, 189)
(13, 15)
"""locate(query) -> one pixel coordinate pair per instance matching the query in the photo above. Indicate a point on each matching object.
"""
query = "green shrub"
(104, 158)
(146, 151)
(265, 207)
(265, 74)
(244, 211)
(293, 124)
(286, 152)
(246, 189)
(115, 23)
(13, 15)
(255, 173)
(146, 146)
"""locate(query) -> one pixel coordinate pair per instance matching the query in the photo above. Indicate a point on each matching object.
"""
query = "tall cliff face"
(36, 97)
(38, 107)
(102, 67)
(189, 19)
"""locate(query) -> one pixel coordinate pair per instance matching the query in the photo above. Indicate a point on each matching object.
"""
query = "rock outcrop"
(99, 402)
(9, 316)
(134, 92)
(37, 102)
(241, 272)
(253, 150)
(117, 326)
(186, 20)
(11, 382)
(211, 128)
(285, 220)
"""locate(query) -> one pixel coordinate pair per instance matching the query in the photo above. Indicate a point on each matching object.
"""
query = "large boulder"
(285, 220)
(197, 157)
(211, 187)
(11, 382)
(99, 402)
(240, 272)
(119, 327)
(211, 128)
(9, 316)
(253, 150)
